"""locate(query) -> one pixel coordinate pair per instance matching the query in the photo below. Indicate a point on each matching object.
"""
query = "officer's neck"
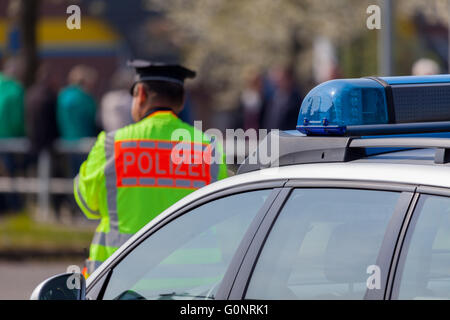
(154, 109)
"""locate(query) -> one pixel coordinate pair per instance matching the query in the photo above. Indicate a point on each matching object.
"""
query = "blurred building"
(111, 32)
(95, 44)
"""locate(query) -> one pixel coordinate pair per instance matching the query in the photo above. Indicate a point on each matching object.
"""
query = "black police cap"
(157, 71)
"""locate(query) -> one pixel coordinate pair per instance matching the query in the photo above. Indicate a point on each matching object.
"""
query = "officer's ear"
(141, 94)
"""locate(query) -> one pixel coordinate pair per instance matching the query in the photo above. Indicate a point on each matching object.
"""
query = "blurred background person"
(425, 67)
(252, 100)
(116, 104)
(40, 124)
(40, 112)
(76, 106)
(281, 112)
(11, 100)
(11, 124)
(76, 110)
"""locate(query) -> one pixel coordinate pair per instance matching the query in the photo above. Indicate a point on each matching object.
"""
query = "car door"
(193, 253)
(325, 240)
(423, 268)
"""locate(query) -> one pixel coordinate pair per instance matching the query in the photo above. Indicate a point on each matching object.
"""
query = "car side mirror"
(68, 286)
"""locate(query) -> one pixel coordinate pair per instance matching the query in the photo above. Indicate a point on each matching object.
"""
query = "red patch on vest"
(153, 163)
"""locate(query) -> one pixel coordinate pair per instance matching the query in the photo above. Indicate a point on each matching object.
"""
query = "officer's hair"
(170, 93)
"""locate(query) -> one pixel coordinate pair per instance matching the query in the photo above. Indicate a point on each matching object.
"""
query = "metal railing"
(44, 184)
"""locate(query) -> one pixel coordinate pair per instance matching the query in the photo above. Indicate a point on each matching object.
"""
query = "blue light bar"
(369, 106)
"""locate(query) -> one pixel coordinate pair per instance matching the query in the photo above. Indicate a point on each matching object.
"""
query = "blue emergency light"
(372, 106)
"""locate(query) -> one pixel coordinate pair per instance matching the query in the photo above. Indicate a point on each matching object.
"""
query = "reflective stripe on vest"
(83, 201)
(113, 238)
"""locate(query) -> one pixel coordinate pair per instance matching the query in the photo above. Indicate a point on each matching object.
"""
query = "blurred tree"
(431, 24)
(434, 10)
(221, 38)
(24, 16)
(28, 15)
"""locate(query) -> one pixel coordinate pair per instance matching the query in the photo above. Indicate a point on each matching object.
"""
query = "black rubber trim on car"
(249, 262)
(388, 245)
(351, 184)
(437, 191)
(238, 257)
(245, 187)
(399, 247)
(103, 287)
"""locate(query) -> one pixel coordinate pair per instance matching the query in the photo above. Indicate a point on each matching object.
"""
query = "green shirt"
(76, 113)
(11, 108)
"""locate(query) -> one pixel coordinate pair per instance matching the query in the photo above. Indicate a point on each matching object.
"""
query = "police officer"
(131, 175)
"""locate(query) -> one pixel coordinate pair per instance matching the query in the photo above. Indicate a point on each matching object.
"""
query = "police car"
(356, 206)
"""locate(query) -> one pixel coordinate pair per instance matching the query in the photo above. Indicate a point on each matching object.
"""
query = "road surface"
(18, 279)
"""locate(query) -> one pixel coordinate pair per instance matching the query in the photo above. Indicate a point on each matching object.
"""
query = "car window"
(322, 245)
(187, 258)
(425, 272)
